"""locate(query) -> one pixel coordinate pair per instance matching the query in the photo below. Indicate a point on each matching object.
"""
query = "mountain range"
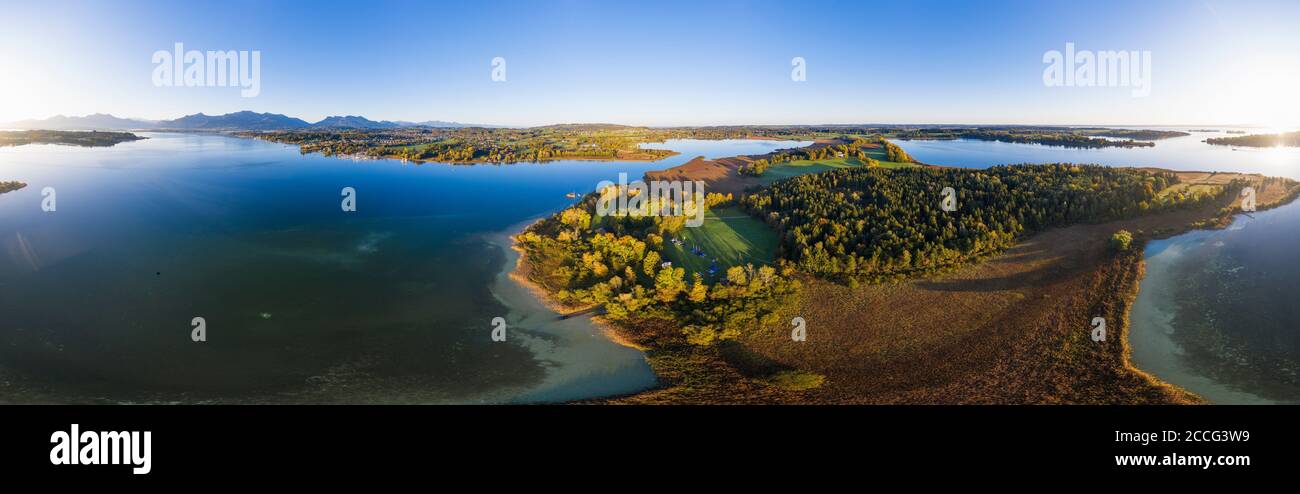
(244, 120)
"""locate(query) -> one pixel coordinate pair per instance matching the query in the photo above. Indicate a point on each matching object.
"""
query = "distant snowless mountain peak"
(243, 120)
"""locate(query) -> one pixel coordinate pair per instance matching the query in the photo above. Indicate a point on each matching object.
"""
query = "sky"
(661, 63)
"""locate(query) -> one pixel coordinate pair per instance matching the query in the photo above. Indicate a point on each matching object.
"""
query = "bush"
(795, 380)
(1121, 240)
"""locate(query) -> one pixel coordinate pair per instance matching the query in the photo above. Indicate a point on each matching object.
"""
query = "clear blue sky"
(660, 63)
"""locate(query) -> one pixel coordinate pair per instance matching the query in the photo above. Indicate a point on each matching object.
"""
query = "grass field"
(728, 237)
(1189, 189)
(879, 155)
(782, 171)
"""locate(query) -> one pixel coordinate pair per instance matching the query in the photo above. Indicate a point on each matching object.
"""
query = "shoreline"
(1159, 285)
(693, 375)
(608, 365)
(1110, 286)
(519, 274)
(354, 156)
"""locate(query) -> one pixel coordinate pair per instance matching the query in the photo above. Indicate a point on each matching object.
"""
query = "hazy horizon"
(817, 124)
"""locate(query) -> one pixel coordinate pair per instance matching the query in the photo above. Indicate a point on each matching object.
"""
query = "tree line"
(878, 224)
(1291, 139)
(856, 149)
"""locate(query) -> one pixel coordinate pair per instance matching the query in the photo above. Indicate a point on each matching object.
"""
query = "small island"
(1289, 139)
(478, 145)
(1136, 134)
(11, 186)
(66, 137)
(1048, 136)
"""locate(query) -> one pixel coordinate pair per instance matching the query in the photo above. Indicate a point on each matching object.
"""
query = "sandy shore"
(588, 357)
(519, 274)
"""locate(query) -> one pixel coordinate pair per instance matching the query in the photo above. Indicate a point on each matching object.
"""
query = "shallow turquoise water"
(1217, 313)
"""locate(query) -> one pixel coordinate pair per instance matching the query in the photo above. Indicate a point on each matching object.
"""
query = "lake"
(1216, 311)
(302, 302)
(393, 303)
(1180, 153)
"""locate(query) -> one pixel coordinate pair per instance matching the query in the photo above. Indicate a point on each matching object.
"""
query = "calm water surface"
(302, 301)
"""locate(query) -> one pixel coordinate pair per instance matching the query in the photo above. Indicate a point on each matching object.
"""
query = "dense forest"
(877, 224)
(1291, 139)
(859, 224)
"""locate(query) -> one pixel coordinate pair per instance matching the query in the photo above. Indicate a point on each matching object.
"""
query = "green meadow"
(785, 170)
(879, 155)
(728, 237)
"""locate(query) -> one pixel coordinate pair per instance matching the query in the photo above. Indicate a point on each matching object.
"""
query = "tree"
(699, 290)
(651, 263)
(1121, 240)
(576, 218)
(670, 282)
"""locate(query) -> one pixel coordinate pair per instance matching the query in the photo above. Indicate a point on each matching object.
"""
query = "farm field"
(786, 170)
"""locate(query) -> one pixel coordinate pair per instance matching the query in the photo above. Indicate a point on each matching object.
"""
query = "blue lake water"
(303, 302)
(392, 303)
(1216, 312)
